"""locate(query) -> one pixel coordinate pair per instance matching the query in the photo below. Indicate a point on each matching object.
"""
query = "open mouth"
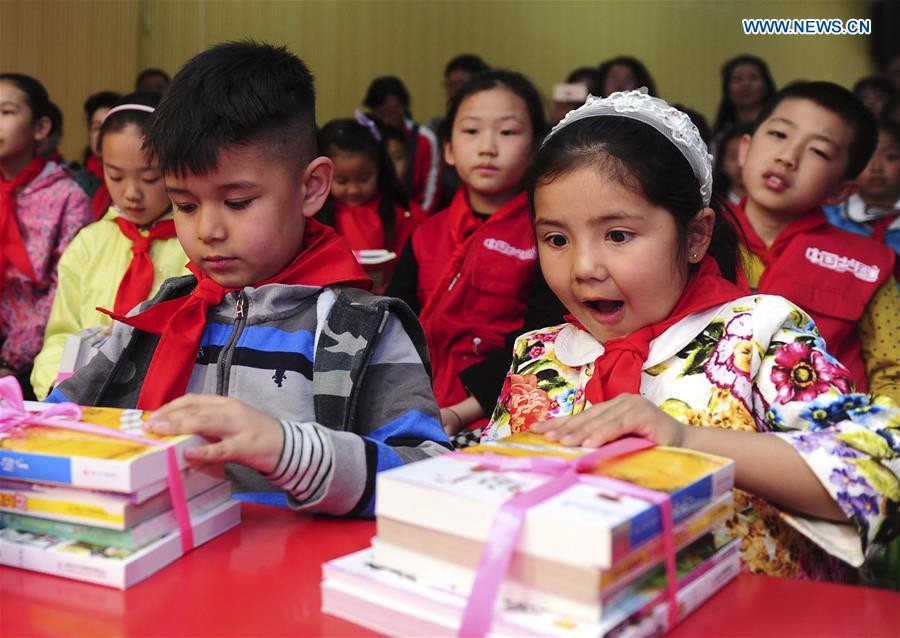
(604, 306)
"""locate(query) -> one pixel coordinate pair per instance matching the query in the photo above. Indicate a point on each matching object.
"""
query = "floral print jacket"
(756, 364)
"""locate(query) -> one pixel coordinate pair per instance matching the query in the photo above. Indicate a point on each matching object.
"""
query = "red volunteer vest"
(485, 297)
(832, 275)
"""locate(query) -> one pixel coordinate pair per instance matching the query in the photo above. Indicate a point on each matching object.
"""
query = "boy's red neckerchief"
(325, 260)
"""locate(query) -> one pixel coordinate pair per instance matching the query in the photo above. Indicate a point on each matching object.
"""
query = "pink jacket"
(50, 211)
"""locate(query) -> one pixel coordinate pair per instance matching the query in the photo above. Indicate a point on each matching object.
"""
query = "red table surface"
(262, 579)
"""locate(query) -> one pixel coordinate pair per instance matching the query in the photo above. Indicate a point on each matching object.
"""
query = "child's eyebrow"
(148, 167)
(233, 186)
(818, 136)
(501, 118)
(171, 190)
(594, 220)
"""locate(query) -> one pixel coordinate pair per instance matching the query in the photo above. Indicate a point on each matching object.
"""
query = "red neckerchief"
(100, 201)
(325, 260)
(94, 166)
(360, 225)
(618, 369)
(462, 231)
(137, 282)
(12, 246)
(810, 221)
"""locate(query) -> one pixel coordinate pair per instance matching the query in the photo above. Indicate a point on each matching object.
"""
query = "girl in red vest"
(468, 269)
(41, 209)
(121, 260)
(367, 205)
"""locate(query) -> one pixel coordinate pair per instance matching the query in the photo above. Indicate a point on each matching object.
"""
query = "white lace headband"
(128, 107)
(675, 125)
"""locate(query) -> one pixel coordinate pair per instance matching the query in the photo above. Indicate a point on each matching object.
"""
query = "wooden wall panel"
(348, 42)
(79, 46)
(75, 48)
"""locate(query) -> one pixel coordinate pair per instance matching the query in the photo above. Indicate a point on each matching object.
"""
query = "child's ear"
(317, 185)
(843, 190)
(699, 234)
(42, 129)
(743, 149)
(448, 154)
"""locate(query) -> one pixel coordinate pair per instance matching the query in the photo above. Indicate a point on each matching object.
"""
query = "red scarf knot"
(325, 260)
(618, 369)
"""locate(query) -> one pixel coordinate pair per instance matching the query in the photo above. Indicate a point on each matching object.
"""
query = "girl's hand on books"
(242, 434)
(627, 414)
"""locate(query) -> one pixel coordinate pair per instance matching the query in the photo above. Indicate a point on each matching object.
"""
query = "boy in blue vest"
(810, 143)
(306, 384)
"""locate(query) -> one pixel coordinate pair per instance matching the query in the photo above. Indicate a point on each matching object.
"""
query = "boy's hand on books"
(242, 434)
(627, 414)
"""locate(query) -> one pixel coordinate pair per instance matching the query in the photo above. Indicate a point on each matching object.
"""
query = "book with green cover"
(132, 538)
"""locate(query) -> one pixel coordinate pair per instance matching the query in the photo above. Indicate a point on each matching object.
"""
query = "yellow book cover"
(664, 469)
(59, 455)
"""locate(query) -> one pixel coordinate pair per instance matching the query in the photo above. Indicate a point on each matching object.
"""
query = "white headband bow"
(674, 124)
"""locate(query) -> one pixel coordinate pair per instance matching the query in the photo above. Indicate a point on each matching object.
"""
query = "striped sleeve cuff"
(306, 463)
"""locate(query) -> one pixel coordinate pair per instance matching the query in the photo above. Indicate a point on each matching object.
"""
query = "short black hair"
(147, 73)
(467, 62)
(842, 103)
(35, 94)
(382, 88)
(103, 99)
(235, 94)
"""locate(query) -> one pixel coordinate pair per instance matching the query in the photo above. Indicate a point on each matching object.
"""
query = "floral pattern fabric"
(756, 364)
(50, 211)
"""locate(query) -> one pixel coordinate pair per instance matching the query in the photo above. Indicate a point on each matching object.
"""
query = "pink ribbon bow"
(66, 416)
(507, 527)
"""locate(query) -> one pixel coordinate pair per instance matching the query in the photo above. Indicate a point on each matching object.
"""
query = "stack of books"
(97, 508)
(588, 561)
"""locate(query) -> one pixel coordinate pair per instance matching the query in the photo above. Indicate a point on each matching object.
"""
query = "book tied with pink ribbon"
(527, 537)
(86, 494)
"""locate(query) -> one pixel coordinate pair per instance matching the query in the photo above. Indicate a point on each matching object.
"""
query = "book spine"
(632, 564)
(116, 572)
(685, 501)
(133, 538)
(91, 473)
(694, 590)
(36, 504)
(29, 466)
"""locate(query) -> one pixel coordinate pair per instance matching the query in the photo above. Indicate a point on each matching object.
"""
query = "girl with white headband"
(661, 343)
(121, 260)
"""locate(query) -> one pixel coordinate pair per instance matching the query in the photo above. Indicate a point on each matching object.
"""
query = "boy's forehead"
(813, 119)
(234, 165)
